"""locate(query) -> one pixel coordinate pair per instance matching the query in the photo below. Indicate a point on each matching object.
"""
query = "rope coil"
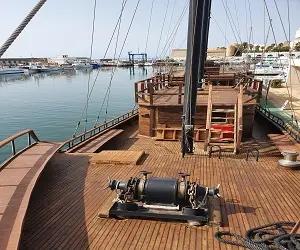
(271, 236)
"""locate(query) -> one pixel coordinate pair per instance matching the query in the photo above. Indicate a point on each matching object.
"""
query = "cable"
(114, 70)
(162, 29)
(91, 54)
(172, 36)
(273, 32)
(149, 24)
(21, 27)
(97, 75)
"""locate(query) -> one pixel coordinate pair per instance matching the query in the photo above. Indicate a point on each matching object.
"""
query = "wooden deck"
(17, 180)
(221, 96)
(63, 211)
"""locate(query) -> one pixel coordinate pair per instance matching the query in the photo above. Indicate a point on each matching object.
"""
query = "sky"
(65, 26)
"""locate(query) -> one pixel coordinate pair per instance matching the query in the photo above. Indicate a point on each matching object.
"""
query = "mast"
(198, 29)
(20, 28)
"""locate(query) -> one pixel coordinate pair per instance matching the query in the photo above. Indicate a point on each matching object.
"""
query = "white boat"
(45, 69)
(82, 65)
(32, 68)
(8, 71)
(268, 71)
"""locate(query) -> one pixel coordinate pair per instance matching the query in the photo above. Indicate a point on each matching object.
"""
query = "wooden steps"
(224, 123)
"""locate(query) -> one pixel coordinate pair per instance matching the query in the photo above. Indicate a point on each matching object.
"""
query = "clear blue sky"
(64, 26)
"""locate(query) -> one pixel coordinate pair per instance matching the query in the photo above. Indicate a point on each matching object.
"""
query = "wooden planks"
(64, 209)
(94, 145)
(284, 143)
(17, 181)
(117, 157)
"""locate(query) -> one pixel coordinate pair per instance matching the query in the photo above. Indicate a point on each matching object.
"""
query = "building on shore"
(180, 54)
(65, 59)
(10, 62)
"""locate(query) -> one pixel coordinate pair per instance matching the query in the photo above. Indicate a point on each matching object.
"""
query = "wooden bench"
(17, 180)
(93, 145)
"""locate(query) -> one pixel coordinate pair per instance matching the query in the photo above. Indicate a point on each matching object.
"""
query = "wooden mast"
(198, 29)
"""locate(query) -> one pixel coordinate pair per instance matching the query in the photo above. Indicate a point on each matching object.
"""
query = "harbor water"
(52, 104)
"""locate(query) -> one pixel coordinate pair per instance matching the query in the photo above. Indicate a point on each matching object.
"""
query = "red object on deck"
(223, 127)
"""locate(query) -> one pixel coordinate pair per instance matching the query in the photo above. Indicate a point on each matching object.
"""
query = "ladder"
(224, 123)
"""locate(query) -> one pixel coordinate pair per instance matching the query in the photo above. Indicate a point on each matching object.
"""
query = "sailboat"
(191, 131)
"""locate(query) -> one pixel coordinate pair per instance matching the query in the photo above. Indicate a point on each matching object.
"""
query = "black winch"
(162, 198)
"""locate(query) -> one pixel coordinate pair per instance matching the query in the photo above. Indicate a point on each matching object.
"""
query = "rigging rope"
(90, 58)
(97, 75)
(173, 34)
(273, 32)
(149, 24)
(290, 93)
(231, 22)
(21, 27)
(162, 28)
(114, 70)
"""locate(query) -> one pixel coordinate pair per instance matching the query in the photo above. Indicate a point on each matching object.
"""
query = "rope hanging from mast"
(21, 27)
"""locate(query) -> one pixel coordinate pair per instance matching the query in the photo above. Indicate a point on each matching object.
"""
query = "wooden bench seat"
(95, 144)
(17, 180)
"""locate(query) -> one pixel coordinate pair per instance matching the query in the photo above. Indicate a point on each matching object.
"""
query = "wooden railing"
(146, 89)
(32, 139)
(102, 128)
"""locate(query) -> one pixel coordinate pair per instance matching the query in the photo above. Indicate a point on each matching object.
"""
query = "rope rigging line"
(290, 93)
(162, 28)
(171, 39)
(21, 27)
(231, 22)
(115, 53)
(173, 34)
(149, 25)
(275, 40)
(114, 70)
(118, 32)
(90, 57)
(220, 28)
(171, 21)
(98, 71)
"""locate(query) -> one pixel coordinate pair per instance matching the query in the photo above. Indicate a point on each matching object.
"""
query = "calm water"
(52, 103)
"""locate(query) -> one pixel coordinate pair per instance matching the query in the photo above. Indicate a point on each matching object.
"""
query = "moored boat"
(13, 70)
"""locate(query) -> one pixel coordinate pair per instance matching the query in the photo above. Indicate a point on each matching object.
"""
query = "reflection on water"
(52, 103)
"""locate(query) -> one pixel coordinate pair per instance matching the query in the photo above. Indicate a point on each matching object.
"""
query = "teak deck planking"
(63, 211)
(17, 180)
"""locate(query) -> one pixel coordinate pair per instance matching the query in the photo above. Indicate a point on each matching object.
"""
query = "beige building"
(180, 54)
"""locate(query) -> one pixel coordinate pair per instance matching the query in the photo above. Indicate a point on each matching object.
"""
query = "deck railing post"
(180, 93)
(13, 147)
(29, 139)
(150, 91)
(136, 92)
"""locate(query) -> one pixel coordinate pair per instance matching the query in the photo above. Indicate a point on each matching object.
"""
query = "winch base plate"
(200, 215)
